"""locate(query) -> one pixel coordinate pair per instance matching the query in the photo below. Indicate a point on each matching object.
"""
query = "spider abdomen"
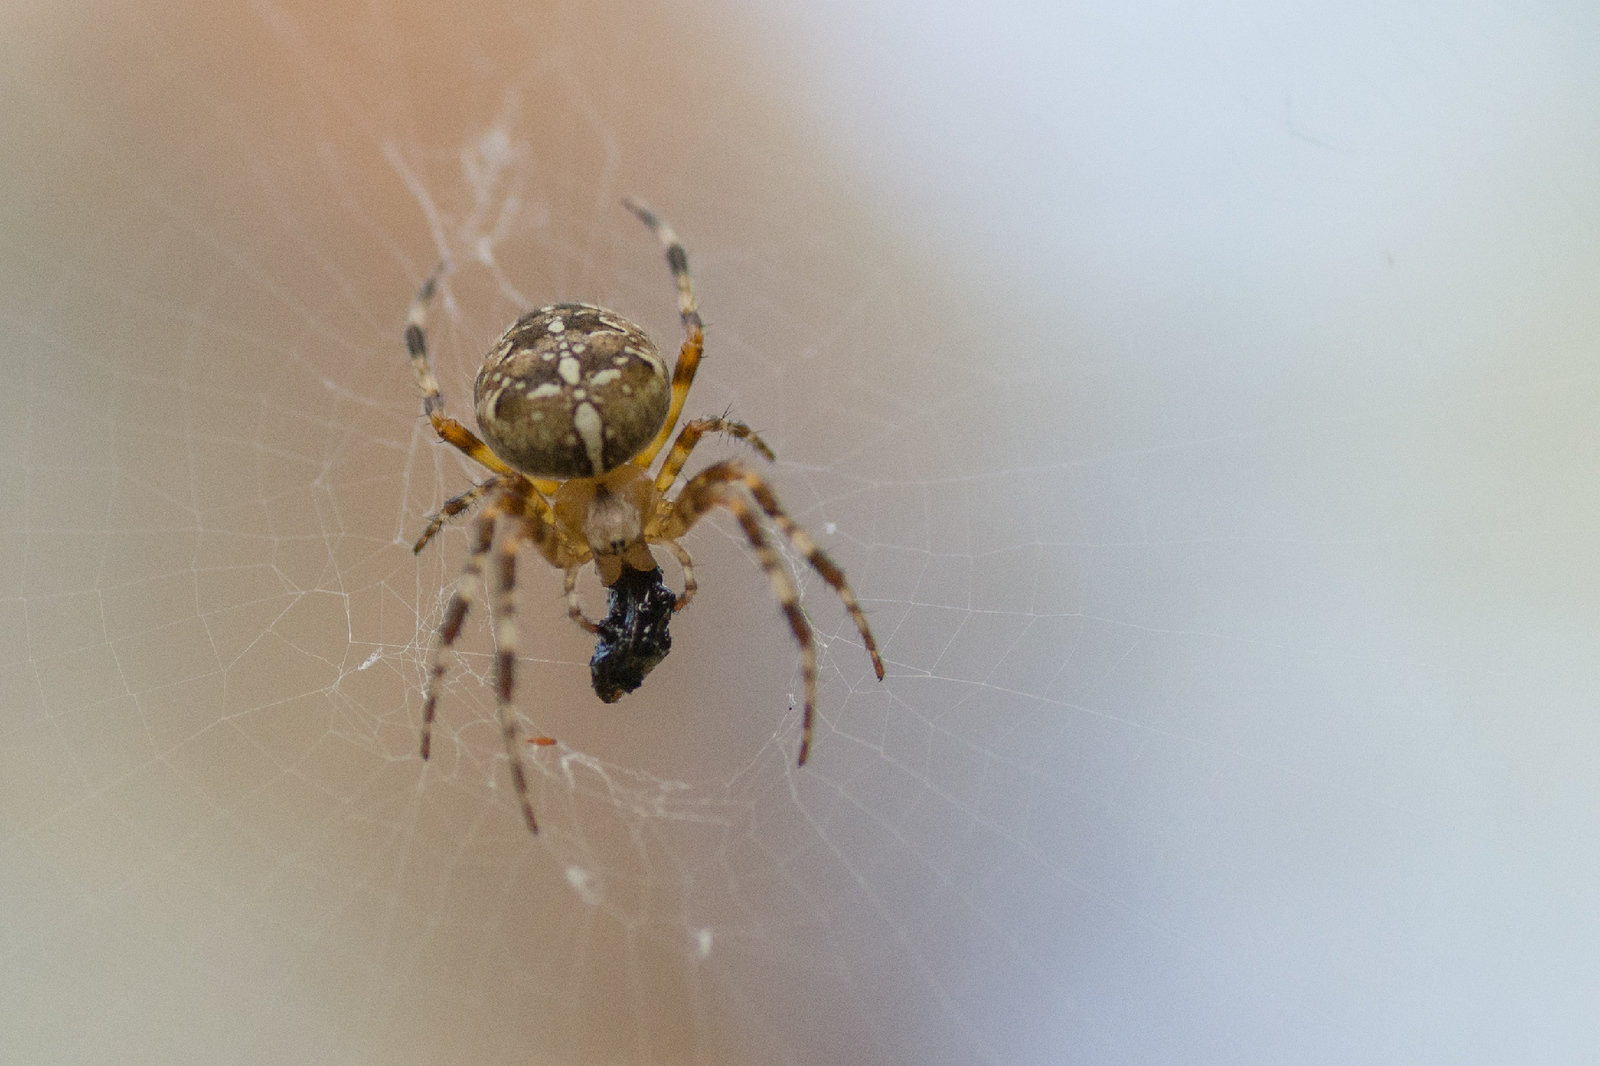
(571, 390)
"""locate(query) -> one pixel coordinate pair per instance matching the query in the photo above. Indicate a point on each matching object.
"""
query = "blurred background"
(1202, 401)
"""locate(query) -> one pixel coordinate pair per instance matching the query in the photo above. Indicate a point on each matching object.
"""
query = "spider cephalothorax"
(574, 404)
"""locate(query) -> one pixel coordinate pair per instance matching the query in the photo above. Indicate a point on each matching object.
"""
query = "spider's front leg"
(449, 430)
(693, 329)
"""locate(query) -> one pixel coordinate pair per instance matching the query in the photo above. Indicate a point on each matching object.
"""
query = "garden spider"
(574, 404)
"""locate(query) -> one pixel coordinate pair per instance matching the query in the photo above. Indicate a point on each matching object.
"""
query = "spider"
(574, 404)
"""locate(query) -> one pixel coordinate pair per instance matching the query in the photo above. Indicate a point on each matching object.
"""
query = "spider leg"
(818, 559)
(451, 508)
(702, 493)
(505, 667)
(693, 328)
(689, 585)
(449, 430)
(417, 344)
(734, 472)
(698, 498)
(455, 434)
(574, 609)
(454, 615)
(690, 436)
(539, 526)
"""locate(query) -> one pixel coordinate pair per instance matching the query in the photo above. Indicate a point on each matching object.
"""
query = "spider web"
(1202, 406)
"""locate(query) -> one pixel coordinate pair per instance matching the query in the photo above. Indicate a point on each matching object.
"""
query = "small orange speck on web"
(543, 742)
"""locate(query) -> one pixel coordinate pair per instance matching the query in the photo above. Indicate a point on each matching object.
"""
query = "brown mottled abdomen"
(571, 390)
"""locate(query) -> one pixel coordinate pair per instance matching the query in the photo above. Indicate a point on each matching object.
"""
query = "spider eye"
(571, 390)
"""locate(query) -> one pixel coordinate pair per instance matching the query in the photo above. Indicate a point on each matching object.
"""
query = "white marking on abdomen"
(586, 420)
(650, 357)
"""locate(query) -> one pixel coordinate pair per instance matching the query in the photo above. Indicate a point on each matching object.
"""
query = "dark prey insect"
(574, 404)
(633, 636)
